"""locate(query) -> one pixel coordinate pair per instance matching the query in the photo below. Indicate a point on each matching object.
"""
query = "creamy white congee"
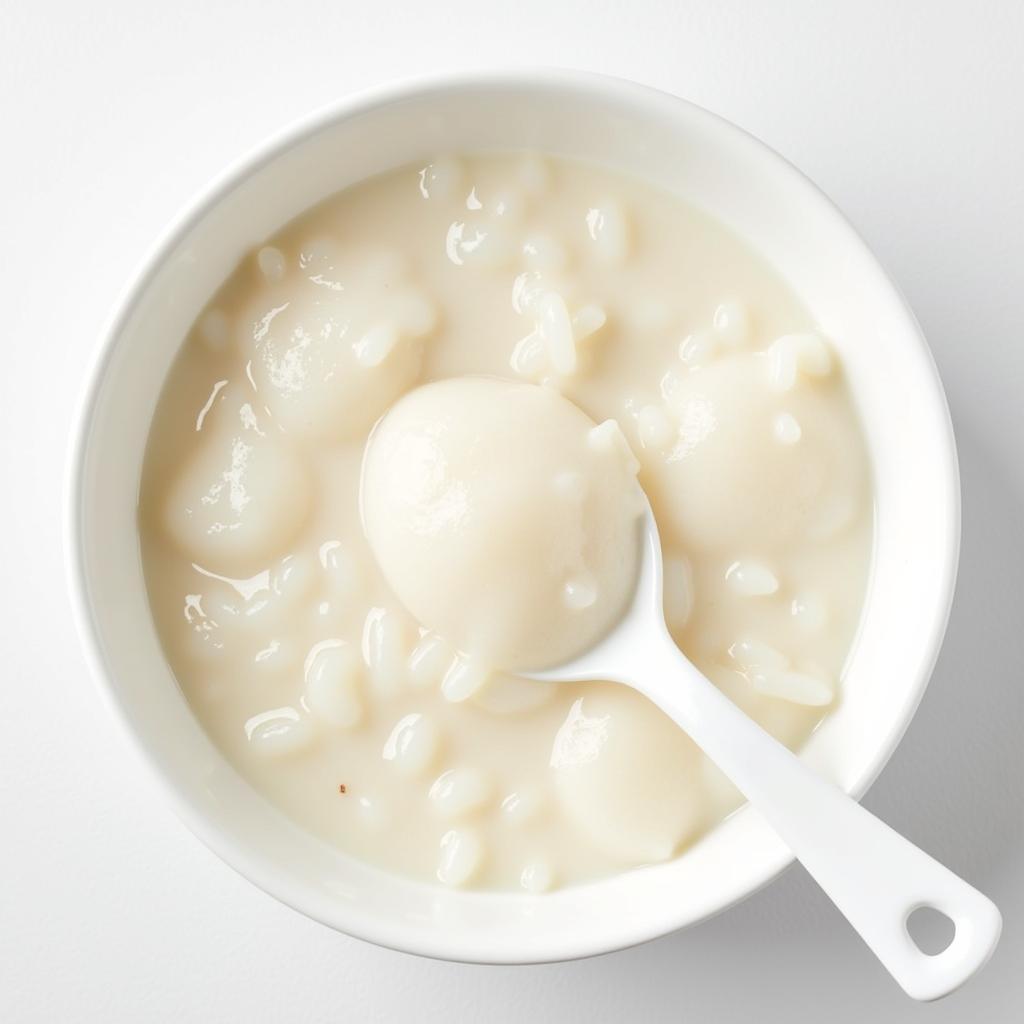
(400, 452)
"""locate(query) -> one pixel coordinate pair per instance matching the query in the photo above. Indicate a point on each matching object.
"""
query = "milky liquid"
(305, 669)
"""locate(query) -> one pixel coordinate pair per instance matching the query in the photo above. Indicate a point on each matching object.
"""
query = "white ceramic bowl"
(711, 164)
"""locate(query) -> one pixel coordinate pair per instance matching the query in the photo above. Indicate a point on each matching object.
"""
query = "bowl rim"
(596, 86)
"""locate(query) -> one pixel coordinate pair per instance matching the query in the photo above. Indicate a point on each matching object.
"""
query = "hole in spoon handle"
(878, 879)
(976, 923)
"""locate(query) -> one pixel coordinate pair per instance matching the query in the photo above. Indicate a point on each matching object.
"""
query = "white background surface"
(909, 114)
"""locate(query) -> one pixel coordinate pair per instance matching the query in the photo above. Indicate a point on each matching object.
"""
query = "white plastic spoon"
(873, 875)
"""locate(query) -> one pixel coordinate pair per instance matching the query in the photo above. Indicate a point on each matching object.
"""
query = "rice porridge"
(397, 458)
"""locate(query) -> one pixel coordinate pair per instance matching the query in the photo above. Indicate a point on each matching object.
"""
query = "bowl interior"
(712, 165)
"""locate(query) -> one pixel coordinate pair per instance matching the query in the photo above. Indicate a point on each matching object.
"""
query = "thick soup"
(345, 565)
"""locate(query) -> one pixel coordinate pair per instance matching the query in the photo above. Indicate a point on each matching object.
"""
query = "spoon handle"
(873, 875)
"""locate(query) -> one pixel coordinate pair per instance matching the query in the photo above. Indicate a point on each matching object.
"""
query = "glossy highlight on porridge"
(515, 340)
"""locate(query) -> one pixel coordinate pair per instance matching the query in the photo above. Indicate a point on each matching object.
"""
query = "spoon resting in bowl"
(477, 492)
(873, 875)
